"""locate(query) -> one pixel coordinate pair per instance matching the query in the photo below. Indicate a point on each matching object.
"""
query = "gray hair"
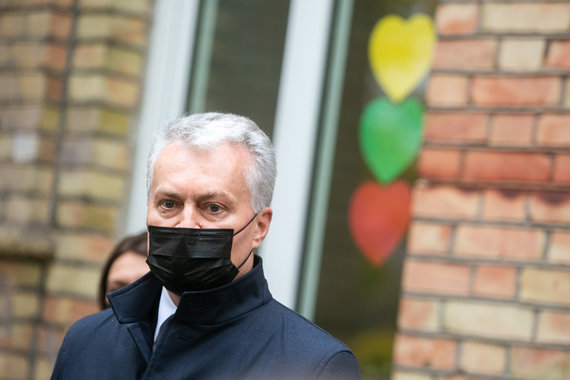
(206, 131)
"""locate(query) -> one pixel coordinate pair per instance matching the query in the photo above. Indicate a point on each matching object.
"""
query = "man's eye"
(214, 208)
(168, 203)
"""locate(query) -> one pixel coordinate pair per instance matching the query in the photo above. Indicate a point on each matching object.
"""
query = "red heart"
(378, 217)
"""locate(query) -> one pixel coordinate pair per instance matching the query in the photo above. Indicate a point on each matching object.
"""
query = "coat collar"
(209, 307)
(133, 303)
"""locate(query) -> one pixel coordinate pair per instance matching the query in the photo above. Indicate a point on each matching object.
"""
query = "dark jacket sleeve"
(342, 365)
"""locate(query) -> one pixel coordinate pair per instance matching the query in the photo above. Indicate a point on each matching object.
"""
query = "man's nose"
(189, 218)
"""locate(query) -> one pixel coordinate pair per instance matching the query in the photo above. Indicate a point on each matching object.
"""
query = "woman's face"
(126, 269)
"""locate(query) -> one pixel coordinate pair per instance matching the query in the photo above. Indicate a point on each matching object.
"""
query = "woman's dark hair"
(136, 244)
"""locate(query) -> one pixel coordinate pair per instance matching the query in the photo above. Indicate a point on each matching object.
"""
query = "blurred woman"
(126, 264)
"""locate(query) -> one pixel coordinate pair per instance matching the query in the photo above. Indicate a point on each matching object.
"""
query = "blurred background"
(478, 284)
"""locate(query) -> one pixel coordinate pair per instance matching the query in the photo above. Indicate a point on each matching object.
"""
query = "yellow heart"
(400, 53)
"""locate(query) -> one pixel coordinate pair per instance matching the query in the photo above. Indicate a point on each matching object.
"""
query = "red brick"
(499, 242)
(553, 327)
(21, 117)
(433, 353)
(19, 274)
(444, 202)
(10, 87)
(559, 54)
(54, 88)
(26, 178)
(80, 214)
(550, 207)
(61, 25)
(87, 247)
(402, 374)
(85, 120)
(55, 57)
(539, 363)
(495, 281)
(47, 150)
(134, 7)
(428, 277)
(476, 54)
(50, 339)
(455, 127)
(426, 238)
(521, 54)
(17, 335)
(418, 314)
(545, 286)
(123, 93)
(92, 185)
(514, 130)
(456, 18)
(506, 166)
(566, 95)
(90, 56)
(98, 87)
(488, 319)
(516, 91)
(25, 210)
(559, 251)
(65, 311)
(127, 30)
(447, 90)
(483, 358)
(504, 205)
(520, 17)
(561, 168)
(439, 163)
(43, 367)
(554, 130)
(456, 377)
(14, 366)
(73, 279)
(12, 24)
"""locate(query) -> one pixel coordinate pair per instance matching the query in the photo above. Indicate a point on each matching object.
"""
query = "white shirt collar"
(166, 308)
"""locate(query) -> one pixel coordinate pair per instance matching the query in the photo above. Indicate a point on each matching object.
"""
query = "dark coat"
(236, 331)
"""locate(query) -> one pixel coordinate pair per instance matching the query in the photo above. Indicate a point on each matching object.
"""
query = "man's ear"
(262, 222)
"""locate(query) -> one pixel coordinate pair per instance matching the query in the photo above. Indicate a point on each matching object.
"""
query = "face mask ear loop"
(243, 262)
(244, 227)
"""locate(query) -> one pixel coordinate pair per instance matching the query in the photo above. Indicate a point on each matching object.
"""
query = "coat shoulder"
(94, 324)
(333, 358)
(303, 330)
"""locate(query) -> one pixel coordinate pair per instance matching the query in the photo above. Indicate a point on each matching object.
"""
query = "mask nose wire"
(248, 223)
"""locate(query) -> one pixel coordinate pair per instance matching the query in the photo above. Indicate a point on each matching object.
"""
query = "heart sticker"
(400, 53)
(390, 136)
(378, 218)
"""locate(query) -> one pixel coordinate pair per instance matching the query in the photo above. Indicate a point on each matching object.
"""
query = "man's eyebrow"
(213, 194)
(166, 193)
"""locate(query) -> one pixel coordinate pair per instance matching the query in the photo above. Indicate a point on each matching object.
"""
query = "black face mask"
(186, 259)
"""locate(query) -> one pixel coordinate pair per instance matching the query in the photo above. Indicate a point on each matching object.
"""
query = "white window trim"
(294, 135)
(164, 96)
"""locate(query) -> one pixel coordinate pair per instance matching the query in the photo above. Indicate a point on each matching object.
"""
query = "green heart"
(390, 136)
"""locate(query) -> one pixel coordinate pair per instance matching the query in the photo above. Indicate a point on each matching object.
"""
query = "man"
(204, 311)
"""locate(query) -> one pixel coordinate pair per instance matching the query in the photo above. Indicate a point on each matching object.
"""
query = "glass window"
(355, 300)
(240, 43)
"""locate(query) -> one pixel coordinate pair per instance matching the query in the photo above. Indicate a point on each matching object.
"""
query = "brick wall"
(70, 82)
(486, 283)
